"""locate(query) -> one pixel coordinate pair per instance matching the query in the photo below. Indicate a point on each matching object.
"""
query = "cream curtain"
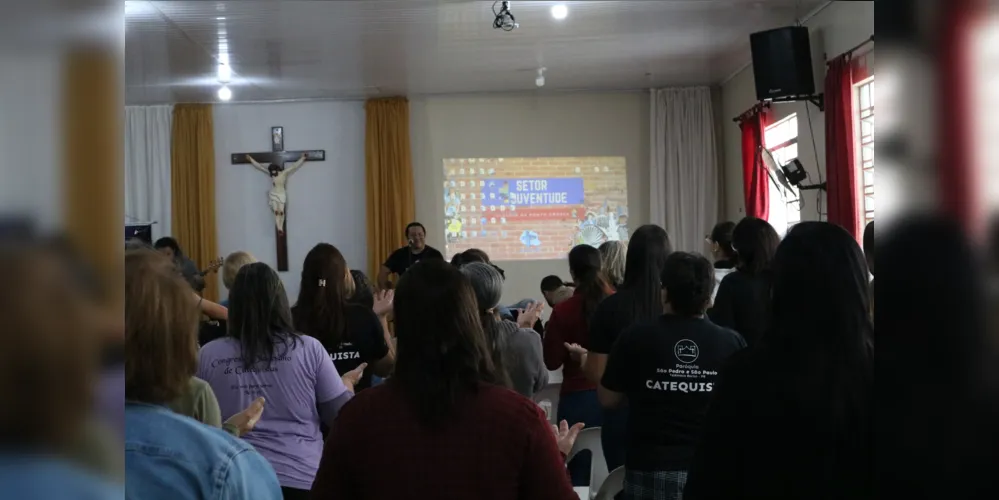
(684, 190)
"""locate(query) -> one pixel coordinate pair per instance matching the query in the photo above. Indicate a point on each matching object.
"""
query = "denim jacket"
(173, 457)
(43, 478)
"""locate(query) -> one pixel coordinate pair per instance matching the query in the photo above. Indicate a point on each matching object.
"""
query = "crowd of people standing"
(432, 380)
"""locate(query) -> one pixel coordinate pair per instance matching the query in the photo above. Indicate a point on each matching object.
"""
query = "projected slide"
(533, 208)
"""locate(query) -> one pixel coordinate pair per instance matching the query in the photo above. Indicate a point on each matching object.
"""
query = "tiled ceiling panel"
(278, 50)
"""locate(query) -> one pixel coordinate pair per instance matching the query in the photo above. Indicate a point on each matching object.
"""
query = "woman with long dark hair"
(569, 325)
(352, 334)
(792, 417)
(743, 299)
(516, 351)
(443, 423)
(639, 299)
(263, 356)
(722, 253)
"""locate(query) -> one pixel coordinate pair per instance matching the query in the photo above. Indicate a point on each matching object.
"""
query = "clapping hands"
(576, 352)
(383, 302)
(245, 420)
(351, 378)
(565, 436)
(529, 316)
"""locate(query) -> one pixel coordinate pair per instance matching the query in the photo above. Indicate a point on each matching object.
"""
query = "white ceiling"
(317, 49)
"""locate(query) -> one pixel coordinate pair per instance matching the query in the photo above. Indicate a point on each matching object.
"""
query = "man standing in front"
(401, 259)
(668, 369)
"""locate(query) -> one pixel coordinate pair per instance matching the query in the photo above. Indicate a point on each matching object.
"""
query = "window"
(781, 139)
(865, 138)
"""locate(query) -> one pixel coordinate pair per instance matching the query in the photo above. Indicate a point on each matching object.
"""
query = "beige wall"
(527, 125)
(834, 30)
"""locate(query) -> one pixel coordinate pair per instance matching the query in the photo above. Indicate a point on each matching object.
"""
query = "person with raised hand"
(351, 333)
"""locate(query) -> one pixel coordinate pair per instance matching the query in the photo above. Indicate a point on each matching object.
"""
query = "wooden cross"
(277, 158)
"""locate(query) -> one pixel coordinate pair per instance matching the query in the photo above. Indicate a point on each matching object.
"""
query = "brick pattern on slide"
(604, 184)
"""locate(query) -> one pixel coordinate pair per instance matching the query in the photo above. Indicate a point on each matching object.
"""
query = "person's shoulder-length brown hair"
(161, 326)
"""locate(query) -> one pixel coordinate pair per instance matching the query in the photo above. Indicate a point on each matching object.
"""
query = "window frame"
(790, 206)
(864, 189)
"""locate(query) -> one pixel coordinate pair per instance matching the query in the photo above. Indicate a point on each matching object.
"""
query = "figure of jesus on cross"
(277, 197)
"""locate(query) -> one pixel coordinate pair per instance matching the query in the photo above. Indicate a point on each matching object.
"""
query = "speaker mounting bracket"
(817, 99)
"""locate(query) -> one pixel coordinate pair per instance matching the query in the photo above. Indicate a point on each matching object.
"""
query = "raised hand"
(529, 316)
(245, 420)
(383, 302)
(351, 378)
(565, 436)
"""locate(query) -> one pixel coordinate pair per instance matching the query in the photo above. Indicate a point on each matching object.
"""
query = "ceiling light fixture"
(225, 73)
(560, 11)
(224, 93)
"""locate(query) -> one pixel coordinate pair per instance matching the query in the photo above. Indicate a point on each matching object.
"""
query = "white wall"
(489, 126)
(834, 30)
(326, 201)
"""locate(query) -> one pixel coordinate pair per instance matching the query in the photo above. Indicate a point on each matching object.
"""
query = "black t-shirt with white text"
(403, 258)
(667, 369)
(613, 315)
(363, 341)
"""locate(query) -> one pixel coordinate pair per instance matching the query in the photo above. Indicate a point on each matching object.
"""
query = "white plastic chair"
(612, 485)
(550, 394)
(589, 439)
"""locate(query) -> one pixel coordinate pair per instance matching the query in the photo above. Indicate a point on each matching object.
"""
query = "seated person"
(187, 268)
(667, 369)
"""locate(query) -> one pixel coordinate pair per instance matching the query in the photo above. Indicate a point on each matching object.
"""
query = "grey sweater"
(523, 357)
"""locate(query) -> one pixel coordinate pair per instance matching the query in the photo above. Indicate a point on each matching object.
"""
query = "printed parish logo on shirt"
(686, 351)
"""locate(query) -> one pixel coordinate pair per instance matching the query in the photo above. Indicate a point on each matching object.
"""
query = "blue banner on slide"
(533, 192)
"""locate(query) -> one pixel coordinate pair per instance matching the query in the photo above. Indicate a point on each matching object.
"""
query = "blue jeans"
(581, 406)
(614, 436)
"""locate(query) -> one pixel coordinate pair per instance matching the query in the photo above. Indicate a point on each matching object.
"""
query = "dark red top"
(567, 324)
(499, 446)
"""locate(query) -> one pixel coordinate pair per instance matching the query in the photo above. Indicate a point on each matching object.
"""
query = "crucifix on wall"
(277, 196)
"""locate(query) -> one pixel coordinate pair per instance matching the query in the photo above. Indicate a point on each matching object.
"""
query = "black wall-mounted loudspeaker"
(782, 63)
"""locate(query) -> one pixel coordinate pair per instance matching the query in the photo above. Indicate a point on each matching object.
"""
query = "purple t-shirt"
(287, 434)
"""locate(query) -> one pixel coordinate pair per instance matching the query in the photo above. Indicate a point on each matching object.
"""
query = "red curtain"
(842, 189)
(754, 175)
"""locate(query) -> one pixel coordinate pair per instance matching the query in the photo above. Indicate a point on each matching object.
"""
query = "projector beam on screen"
(533, 208)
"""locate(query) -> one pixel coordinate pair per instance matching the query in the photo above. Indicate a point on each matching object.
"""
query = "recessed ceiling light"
(224, 93)
(560, 11)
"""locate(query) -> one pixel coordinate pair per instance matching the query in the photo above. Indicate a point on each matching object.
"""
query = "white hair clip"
(322, 282)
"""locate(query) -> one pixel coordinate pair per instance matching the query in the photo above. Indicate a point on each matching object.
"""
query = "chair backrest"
(589, 439)
(612, 485)
(550, 394)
